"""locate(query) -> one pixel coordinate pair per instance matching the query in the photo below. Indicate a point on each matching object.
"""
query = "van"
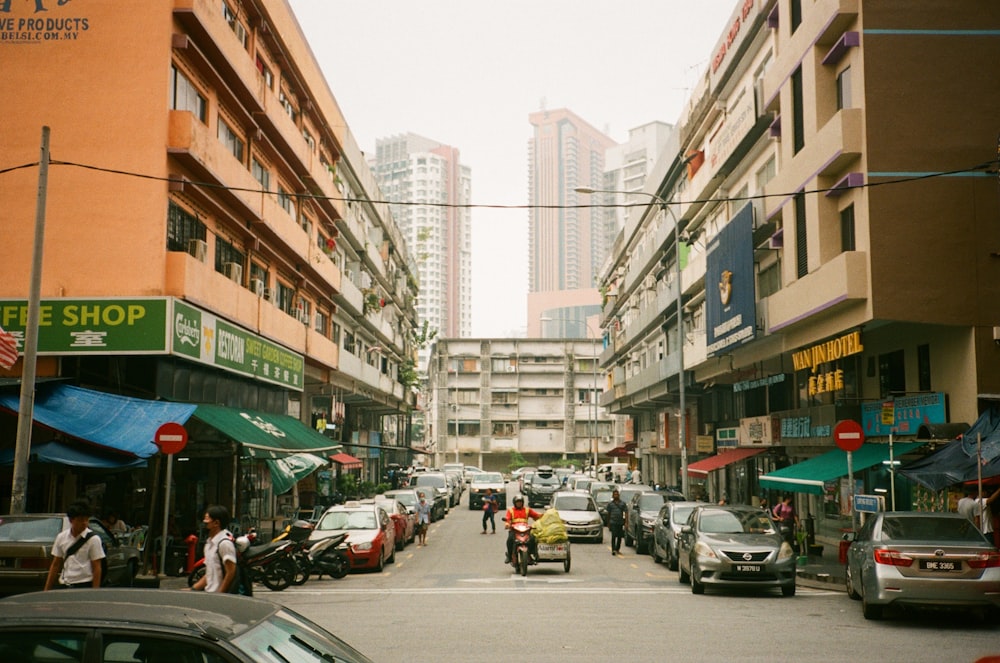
(618, 471)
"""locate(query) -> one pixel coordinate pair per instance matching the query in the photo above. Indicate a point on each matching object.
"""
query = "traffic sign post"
(171, 438)
(849, 436)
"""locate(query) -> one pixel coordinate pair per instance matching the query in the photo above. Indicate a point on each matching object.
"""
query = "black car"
(642, 510)
(160, 626)
(410, 497)
(539, 488)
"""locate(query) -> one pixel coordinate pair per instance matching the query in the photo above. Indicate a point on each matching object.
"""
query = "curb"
(820, 581)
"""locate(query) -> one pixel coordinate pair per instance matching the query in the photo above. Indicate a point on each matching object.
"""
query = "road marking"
(530, 589)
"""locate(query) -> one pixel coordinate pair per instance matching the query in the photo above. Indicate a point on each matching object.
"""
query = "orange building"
(208, 235)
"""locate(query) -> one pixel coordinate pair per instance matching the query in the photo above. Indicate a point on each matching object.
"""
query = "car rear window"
(434, 480)
(40, 530)
(930, 528)
(545, 479)
(574, 503)
(651, 502)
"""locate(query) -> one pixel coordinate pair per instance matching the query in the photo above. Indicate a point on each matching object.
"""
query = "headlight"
(363, 546)
(648, 522)
(785, 551)
(704, 550)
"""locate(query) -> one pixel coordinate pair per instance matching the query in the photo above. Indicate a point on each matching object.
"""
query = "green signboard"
(92, 326)
(202, 337)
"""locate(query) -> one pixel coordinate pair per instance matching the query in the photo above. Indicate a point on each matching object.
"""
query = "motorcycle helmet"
(242, 543)
(518, 500)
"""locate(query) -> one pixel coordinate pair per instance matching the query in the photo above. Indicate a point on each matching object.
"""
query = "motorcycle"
(270, 564)
(319, 556)
(520, 557)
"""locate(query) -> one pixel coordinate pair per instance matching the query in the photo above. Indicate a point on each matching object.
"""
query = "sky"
(467, 73)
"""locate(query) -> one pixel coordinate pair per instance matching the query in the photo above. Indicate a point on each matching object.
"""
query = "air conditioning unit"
(233, 271)
(302, 316)
(268, 295)
(257, 286)
(198, 248)
(512, 369)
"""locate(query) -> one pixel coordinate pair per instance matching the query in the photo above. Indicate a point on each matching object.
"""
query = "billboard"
(730, 292)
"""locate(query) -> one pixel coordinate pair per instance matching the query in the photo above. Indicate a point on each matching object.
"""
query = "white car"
(477, 489)
(578, 511)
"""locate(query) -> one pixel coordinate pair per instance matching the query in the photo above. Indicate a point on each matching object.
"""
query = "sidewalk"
(823, 572)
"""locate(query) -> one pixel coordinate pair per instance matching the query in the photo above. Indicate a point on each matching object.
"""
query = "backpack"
(73, 549)
(243, 585)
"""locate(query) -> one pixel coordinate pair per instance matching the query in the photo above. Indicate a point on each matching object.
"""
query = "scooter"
(268, 563)
(520, 557)
(327, 556)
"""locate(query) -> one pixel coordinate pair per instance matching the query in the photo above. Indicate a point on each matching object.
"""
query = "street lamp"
(593, 392)
(680, 319)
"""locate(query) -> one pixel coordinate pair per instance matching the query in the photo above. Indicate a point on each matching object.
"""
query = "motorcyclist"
(519, 514)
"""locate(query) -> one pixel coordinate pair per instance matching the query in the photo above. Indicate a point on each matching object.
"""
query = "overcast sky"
(467, 73)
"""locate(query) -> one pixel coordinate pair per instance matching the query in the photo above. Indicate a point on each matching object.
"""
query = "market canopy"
(288, 471)
(347, 461)
(76, 456)
(701, 468)
(264, 435)
(948, 466)
(118, 423)
(810, 475)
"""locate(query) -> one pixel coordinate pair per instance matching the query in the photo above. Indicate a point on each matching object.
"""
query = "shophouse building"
(490, 397)
(831, 198)
(212, 236)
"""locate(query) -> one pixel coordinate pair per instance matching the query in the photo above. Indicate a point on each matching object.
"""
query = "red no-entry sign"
(848, 435)
(171, 438)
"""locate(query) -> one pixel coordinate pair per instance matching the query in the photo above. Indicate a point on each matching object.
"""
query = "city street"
(455, 600)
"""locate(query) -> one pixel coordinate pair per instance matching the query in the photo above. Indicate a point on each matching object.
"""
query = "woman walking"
(489, 508)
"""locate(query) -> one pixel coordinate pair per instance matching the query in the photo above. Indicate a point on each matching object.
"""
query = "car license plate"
(6, 562)
(749, 568)
(939, 565)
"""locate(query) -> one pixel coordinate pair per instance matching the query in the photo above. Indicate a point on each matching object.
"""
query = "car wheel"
(131, 571)
(640, 547)
(672, 559)
(401, 542)
(697, 587)
(870, 611)
(852, 591)
(392, 556)
(380, 565)
(628, 539)
(682, 575)
(788, 590)
(600, 538)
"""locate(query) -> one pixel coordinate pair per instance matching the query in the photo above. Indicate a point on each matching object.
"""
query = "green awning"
(262, 435)
(288, 471)
(810, 475)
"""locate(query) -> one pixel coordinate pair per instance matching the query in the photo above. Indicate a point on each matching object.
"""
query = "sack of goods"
(550, 528)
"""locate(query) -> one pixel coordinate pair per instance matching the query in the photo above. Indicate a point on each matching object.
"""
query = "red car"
(371, 536)
(405, 522)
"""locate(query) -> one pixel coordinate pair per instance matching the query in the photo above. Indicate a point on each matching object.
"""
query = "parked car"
(371, 536)
(602, 497)
(667, 528)
(437, 482)
(629, 490)
(734, 546)
(539, 488)
(482, 481)
(469, 472)
(160, 625)
(578, 511)
(26, 548)
(579, 482)
(405, 521)
(642, 511)
(457, 484)
(520, 475)
(410, 498)
(922, 559)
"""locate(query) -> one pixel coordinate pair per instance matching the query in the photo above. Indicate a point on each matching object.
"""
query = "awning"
(701, 468)
(263, 435)
(619, 452)
(948, 466)
(76, 456)
(119, 423)
(810, 475)
(347, 461)
(288, 471)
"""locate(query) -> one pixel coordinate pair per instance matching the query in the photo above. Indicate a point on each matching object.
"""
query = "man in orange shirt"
(519, 514)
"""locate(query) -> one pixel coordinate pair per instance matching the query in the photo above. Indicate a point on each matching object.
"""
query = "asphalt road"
(456, 600)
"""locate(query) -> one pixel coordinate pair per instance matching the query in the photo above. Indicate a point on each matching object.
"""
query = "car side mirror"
(686, 529)
(849, 536)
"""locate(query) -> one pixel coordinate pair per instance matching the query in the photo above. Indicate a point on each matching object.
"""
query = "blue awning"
(65, 454)
(117, 423)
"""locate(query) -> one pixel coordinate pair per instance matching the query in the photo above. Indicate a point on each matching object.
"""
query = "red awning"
(619, 452)
(347, 461)
(702, 467)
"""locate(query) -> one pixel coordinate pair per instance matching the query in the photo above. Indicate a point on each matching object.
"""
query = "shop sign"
(908, 413)
(727, 438)
(730, 294)
(759, 432)
(801, 427)
(33, 22)
(204, 338)
(105, 326)
(736, 123)
(704, 444)
(747, 385)
(823, 354)
(736, 32)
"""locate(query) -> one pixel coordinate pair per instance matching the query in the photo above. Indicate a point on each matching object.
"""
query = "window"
(258, 273)
(766, 173)
(924, 367)
(285, 201)
(796, 14)
(798, 113)
(155, 650)
(182, 227)
(847, 242)
(891, 374)
(844, 89)
(310, 141)
(265, 73)
(504, 429)
(234, 24)
(769, 280)
(225, 254)
(232, 142)
(261, 174)
(801, 243)
(286, 103)
(320, 322)
(285, 298)
(185, 96)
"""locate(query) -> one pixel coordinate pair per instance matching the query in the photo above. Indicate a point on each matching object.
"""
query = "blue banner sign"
(869, 503)
(910, 412)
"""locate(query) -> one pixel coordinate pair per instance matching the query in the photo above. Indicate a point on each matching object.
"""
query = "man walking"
(76, 552)
(489, 508)
(220, 553)
(617, 519)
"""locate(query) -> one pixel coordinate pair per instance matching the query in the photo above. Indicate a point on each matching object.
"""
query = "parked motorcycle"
(269, 563)
(320, 556)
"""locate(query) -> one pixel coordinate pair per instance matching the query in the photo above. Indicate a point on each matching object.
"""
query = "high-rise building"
(566, 245)
(430, 179)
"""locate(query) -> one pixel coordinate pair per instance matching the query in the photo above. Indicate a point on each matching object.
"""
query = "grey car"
(642, 511)
(922, 559)
(734, 546)
(540, 487)
(667, 529)
(578, 511)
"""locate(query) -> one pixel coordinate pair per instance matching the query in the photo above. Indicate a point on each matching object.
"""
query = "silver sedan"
(929, 559)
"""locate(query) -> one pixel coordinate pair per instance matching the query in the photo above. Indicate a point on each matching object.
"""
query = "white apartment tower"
(427, 187)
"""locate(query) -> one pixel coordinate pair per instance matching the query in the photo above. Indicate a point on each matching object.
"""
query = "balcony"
(841, 281)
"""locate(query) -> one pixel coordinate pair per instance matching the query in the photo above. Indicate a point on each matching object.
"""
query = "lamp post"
(680, 320)
(593, 392)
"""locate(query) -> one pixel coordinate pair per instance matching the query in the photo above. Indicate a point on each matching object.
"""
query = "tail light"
(986, 560)
(892, 558)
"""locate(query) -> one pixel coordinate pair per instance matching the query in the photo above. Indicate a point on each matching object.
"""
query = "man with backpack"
(76, 552)
(221, 572)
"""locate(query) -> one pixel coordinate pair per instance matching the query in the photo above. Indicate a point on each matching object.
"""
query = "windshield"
(930, 528)
(335, 520)
(735, 522)
(487, 477)
(681, 514)
(435, 480)
(545, 480)
(288, 638)
(651, 501)
(574, 503)
(40, 530)
(408, 499)
(602, 496)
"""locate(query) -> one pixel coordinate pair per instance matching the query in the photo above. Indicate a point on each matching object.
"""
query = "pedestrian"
(785, 514)
(76, 552)
(984, 513)
(490, 506)
(763, 504)
(617, 519)
(423, 519)
(967, 505)
(636, 475)
(220, 553)
(114, 524)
